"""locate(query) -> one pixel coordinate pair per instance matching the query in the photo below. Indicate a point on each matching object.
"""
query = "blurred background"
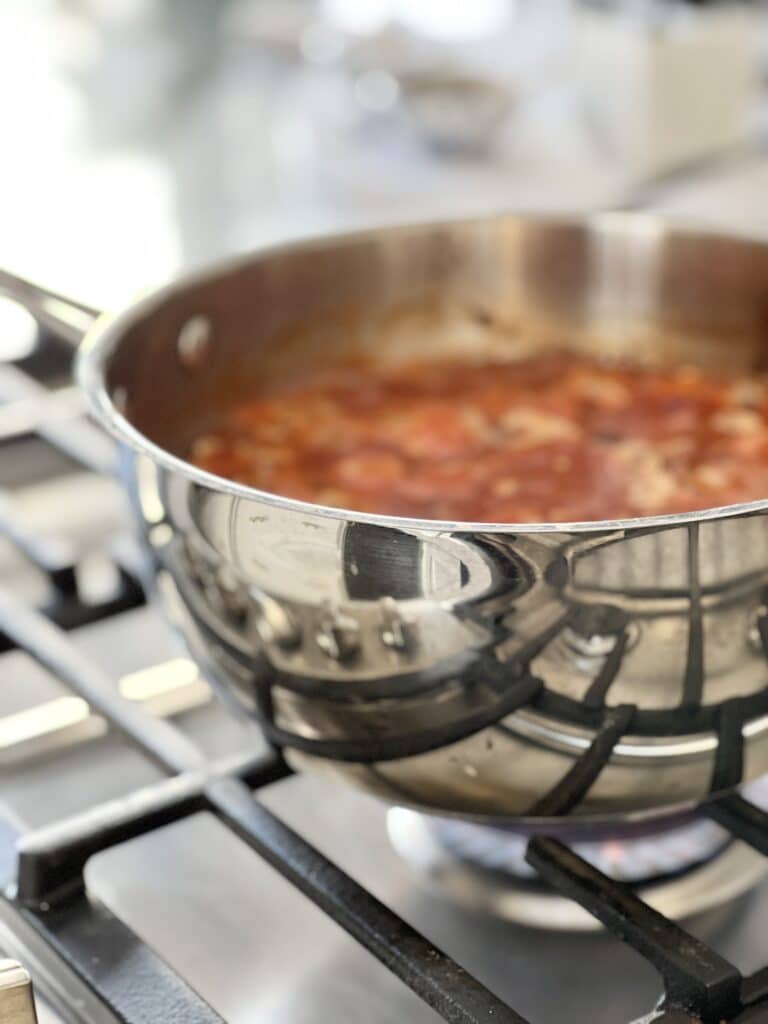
(140, 137)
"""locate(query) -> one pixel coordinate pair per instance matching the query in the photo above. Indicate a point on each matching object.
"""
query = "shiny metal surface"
(516, 672)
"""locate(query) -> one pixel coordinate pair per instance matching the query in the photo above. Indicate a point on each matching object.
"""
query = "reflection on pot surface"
(486, 674)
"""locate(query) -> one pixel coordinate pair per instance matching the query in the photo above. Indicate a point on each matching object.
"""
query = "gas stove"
(160, 862)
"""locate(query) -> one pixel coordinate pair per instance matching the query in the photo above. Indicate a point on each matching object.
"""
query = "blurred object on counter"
(450, 75)
(454, 112)
(461, 69)
(395, 110)
(667, 83)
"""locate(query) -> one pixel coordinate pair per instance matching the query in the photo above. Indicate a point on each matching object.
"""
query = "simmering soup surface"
(553, 438)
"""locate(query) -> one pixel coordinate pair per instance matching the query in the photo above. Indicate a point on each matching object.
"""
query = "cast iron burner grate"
(44, 896)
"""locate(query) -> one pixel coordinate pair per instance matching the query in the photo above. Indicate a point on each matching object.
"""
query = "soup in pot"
(553, 438)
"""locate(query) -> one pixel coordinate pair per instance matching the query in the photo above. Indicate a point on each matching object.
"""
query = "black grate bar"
(456, 995)
(51, 556)
(51, 860)
(74, 613)
(79, 439)
(133, 982)
(51, 648)
(27, 415)
(696, 978)
(742, 819)
(576, 782)
(595, 695)
(728, 769)
(693, 680)
(56, 560)
(264, 770)
(69, 612)
(755, 988)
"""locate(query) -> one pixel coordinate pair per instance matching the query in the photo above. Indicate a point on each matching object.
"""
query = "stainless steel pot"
(513, 672)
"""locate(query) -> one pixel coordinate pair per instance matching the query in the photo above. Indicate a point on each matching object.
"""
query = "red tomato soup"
(552, 438)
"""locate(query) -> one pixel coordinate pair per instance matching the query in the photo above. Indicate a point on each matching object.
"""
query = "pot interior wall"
(621, 286)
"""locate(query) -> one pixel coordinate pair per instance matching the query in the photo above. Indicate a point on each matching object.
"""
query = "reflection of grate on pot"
(517, 677)
(602, 634)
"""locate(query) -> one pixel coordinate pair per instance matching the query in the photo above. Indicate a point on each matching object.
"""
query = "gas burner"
(683, 871)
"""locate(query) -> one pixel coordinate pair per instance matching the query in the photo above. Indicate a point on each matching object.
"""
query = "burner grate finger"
(697, 980)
